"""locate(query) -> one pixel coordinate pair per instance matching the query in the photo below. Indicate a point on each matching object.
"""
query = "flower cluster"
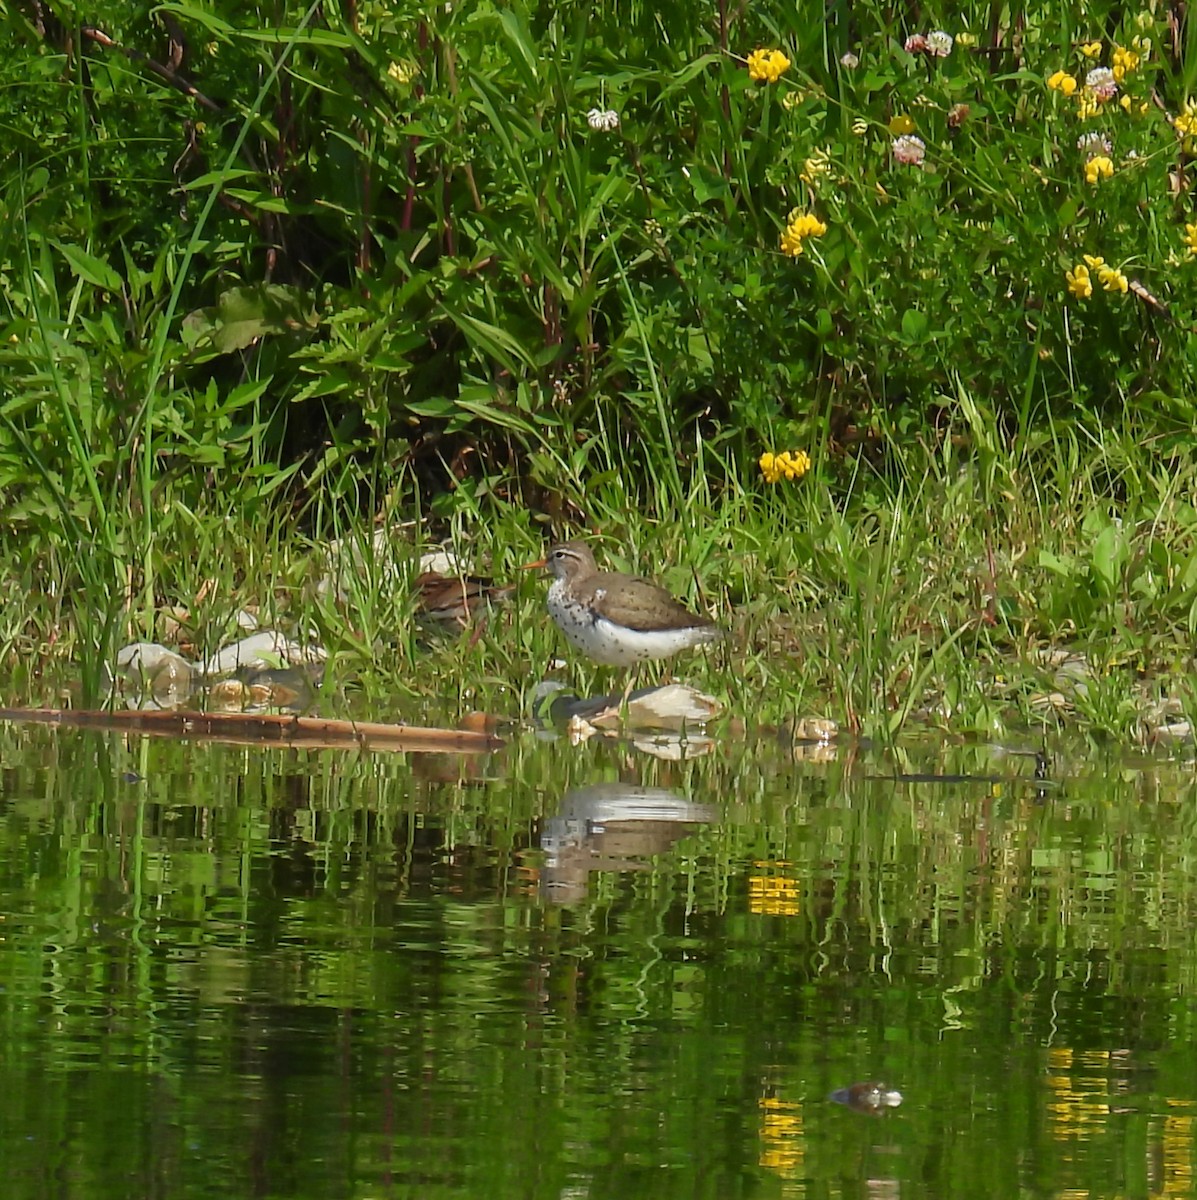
(937, 44)
(1100, 166)
(1185, 124)
(799, 227)
(1190, 240)
(1123, 61)
(1080, 281)
(909, 149)
(602, 120)
(775, 467)
(1102, 84)
(767, 66)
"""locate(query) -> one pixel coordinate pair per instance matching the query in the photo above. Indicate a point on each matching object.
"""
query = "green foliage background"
(244, 237)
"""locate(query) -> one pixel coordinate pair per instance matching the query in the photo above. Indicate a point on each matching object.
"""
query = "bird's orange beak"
(532, 566)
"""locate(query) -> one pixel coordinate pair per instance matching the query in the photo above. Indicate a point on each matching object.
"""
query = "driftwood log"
(265, 729)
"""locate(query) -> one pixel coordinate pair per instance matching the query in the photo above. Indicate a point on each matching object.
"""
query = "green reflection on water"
(572, 972)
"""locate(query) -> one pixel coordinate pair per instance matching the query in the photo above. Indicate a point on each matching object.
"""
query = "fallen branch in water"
(265, 729)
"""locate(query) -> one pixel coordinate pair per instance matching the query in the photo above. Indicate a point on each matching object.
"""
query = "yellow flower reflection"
(773, 895)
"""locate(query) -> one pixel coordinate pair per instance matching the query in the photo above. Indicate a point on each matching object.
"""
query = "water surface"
(560, 971)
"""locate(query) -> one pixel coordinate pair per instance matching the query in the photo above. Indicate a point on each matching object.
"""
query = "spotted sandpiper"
(456, 599)
(618, 620)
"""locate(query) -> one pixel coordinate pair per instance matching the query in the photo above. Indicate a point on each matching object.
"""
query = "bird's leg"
(627, 692)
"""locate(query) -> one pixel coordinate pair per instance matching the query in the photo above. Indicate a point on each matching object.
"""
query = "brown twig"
(169, 74)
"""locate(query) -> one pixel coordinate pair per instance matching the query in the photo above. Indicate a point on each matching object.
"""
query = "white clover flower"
(602, 120)
(1100, 81)
(939, 43)
(1090, 144)
(849, 60)
(909, 149)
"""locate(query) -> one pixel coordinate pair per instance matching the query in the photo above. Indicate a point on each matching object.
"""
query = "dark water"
(561, 972)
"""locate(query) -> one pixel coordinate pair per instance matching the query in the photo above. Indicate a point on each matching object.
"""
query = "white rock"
(266, 649)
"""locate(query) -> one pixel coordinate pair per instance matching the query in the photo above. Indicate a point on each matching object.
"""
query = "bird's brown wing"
(640, 604)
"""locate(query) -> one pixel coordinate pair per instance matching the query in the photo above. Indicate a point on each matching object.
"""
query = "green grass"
(887, 607)
(380, 263)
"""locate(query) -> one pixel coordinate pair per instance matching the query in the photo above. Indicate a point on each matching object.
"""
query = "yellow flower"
(767, 66)
(1091, 49)
(402, 72)
(1185, 122)
(860, 127)
(799, 227)
(1190, 239)
(1123, 62)
(965, 38)
(1086, 104)
(901, 124)
(1061, 81)
(1098, 167)
(1113, 279)
(775, 467)
(1079, 283)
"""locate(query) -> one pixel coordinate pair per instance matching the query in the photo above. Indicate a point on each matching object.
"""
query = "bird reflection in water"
(611, 827)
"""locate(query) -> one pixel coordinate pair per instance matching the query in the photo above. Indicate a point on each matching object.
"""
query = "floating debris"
(819, 730)
(673, 707)
(869, 1097)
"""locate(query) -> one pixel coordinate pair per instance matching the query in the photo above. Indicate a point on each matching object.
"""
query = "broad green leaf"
(914, 325)
(243, 315)
(90, 268)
